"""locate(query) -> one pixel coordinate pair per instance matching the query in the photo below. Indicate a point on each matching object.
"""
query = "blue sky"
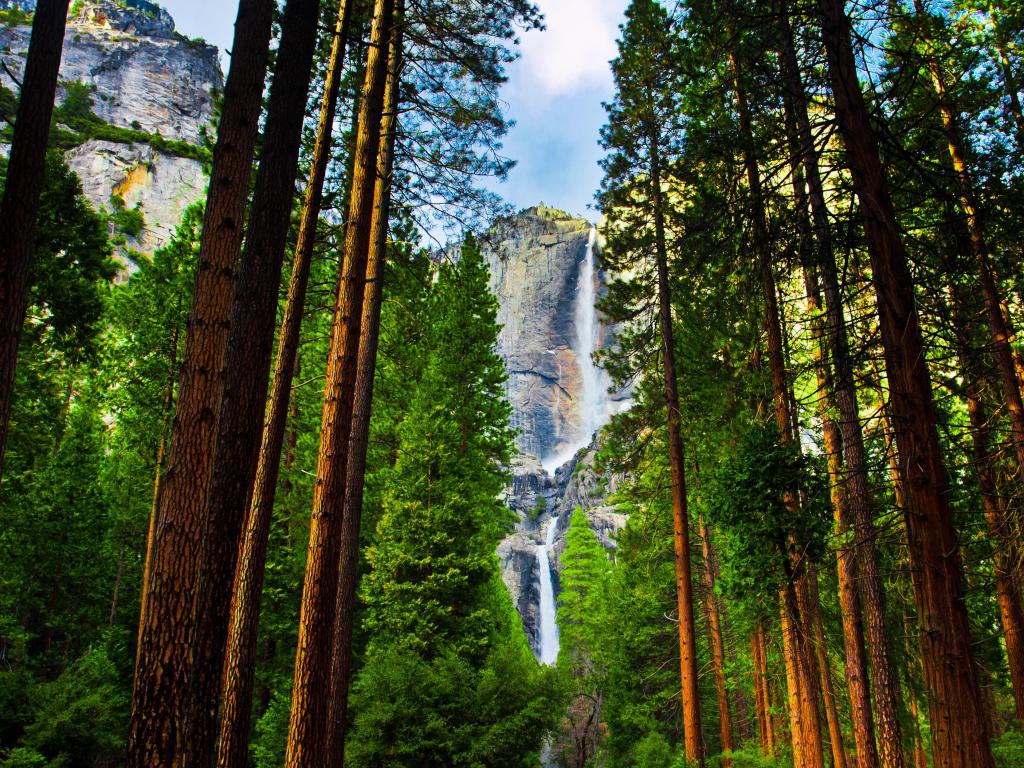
(554, 94)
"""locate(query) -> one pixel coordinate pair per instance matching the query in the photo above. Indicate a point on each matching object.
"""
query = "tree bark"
(348, 564)
(959, 731)
(762, 694)
(240, 655)
(796, 635)
(1011, 611)
(246, 371)
(839, 392)
(711, 607)
(164, 649)
(161, 451)
(19, 208)
(692, 737)
(309, 721)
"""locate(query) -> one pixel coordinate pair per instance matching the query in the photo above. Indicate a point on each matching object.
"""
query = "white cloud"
(576, 46)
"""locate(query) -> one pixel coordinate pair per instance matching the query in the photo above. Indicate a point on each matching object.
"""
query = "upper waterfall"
(594, 407)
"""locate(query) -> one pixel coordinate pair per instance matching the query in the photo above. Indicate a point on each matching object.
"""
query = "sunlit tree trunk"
(959, 730)
(246, 372)
(711, 607)
(348, 564)
(1011, 611)
(248, 583)
(839, 390)
(762, 693)
(998, 317)
(806, 726)
(693, 739)
(309, 720)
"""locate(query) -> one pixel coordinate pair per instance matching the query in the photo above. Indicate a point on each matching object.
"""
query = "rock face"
(535, 258)
(145, 77)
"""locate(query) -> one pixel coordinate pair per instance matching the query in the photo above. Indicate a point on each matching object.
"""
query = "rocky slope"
(535, 259)
(144, 78)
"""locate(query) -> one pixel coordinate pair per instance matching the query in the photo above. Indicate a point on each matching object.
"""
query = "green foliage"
(442, 515)
(447, 678)
(130, 221)
(653, 751)
(70, 268)
(748, 503)
(540, 506)
(585, 577)
(1008, 749)
(81, 716)
(750, 756)
(412, 711)
(15, 17)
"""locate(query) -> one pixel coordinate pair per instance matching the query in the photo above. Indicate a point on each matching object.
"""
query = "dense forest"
(251, 488)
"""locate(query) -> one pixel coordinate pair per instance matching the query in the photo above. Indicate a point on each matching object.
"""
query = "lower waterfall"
(547, 636)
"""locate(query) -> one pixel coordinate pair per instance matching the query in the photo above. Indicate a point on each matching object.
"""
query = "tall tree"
(246, 368)
(366, 367)
(960, 735)
(308, 725)
(19, 209)
(637, 131)
(807, 744)
(844, 442)
(248, 580)
(160, 675)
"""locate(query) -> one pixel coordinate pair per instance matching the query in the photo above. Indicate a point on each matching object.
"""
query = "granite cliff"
(153, 85)
(538, 262)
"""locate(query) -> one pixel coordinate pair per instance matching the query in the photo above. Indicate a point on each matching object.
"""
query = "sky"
(554, 94)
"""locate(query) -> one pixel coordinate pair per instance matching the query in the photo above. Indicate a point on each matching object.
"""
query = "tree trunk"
(693, 739)
(161, 451)
(835, 728)
(248, 585)
(711, 607)
(164, 650)
(246, 371)
(960, 733)
(839, 391)
(842, 393)
(796, 638)
(348, 564)
(309, 724)
(995, 309)
(19, 208)
(1011, 611)
(762, 694)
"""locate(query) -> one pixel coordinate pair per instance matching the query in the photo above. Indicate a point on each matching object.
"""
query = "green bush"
(1008, 750)
(130, 221)
(750, 756)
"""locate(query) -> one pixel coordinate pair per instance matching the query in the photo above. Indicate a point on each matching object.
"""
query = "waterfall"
(594, 411)
(547, 640)
(594, 404)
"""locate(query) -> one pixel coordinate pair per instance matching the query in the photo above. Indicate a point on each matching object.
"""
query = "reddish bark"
(711, 608)
(309, 724)
(959, 730)
(248, 583)
(166, 632)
